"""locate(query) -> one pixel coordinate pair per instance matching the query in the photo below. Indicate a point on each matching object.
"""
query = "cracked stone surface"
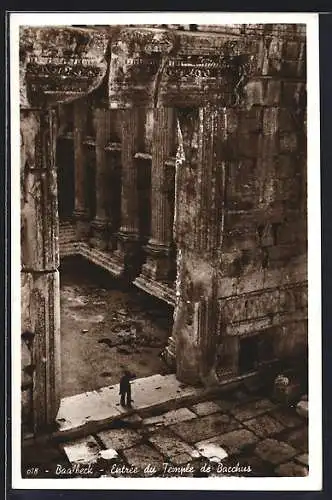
(205, 408)
(250, 410)
(171, 445)
(272, 443)
(119, 439)
(291, 469)
(234, 442)
(263, 426)
(206, 427)
(274, 451)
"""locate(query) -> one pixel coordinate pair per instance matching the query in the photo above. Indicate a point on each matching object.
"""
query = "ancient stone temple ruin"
(175, 159)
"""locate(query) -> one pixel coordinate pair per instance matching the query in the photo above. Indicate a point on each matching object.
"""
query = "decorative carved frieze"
(58, 64)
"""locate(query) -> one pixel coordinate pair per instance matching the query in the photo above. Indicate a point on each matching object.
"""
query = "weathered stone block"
(42, 318)
(250, 283)
(292, 93)
(170, 417)
(298, 438)
(263, 426)
(119, 439)
(206, 408)
(274, 451)
(287, 417)
(272, 92)
(254, 93)
(288, 143)
(233, 442)
(170, 445)
(233, 310)
(39, 206)
(250, 120)
(292, 340)
(203, 428)
(142, 456)
(262, 304)
(270, 120)
(291, 469)
(252, 409)
(292, 50)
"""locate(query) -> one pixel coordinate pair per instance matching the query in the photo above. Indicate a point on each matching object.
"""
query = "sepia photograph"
(162, 215)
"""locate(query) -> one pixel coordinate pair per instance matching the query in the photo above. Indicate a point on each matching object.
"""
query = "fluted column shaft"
(159, 262)
(81, 211)
(99, 224)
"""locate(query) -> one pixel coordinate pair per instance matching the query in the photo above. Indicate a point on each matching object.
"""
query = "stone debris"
(302, 408)
(82, 451)
(212, 451)
(206, 408)
(108, 454)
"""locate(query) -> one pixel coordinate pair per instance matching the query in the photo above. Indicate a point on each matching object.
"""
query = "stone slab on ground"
(287, 417)
(274, 451)
(291, 469)
(203, 428)
(298, 438)
(303, 459)
(102, 405)
(170, 417)
(170, 445)
(82, 451)
(233, 442)
(263, 425)
(205, 408)
(142, 455)
(252, 409)
(119, 439)
(302, 409)
(212, 451)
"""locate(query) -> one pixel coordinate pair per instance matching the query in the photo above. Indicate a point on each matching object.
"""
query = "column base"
(82, 224)
(159, 265)
(128, 254)
(99, 233)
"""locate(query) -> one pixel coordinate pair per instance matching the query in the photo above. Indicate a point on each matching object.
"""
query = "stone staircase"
(69, 246)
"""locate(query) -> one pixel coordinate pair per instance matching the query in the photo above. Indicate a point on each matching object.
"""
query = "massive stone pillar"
(40, 262)
(81, 207)
(128, 236)
(99, 225)
(198, 225)
(159, 264)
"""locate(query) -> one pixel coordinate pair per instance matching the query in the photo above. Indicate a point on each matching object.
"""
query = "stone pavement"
(236, 434)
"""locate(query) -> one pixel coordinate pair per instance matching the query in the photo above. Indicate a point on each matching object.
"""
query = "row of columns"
(199, 198)
(159, 248)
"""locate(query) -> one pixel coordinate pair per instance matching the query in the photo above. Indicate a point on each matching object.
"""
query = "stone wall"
(233, 101)
(252, 211)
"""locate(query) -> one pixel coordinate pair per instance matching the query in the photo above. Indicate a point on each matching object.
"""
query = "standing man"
(125, 389)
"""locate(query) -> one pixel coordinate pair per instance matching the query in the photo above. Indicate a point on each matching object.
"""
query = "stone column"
(81, 212)
(159, 263)
(198, 224)
(128, 236)
(99, 225)
(40, 262)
